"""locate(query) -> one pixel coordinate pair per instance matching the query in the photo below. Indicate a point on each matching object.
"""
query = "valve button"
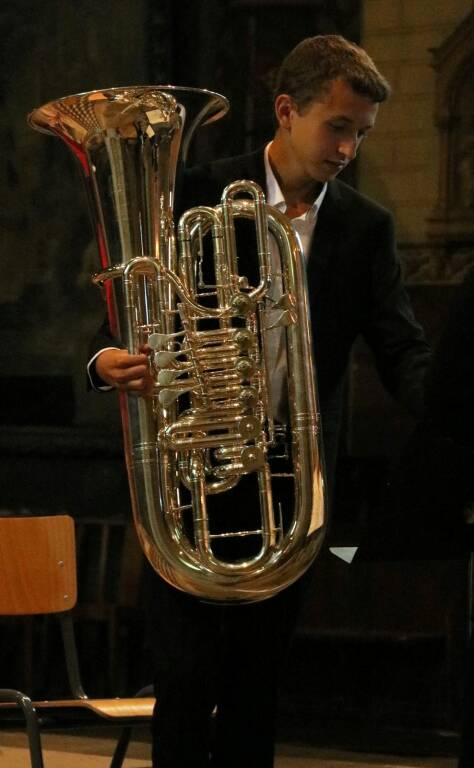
(249, 427)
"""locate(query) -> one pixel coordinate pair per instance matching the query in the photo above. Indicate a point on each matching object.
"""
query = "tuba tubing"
(209, 422)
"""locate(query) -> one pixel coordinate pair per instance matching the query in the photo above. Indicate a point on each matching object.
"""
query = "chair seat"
(123, 709)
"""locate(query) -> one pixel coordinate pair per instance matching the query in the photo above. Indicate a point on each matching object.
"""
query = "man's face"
(325, 136)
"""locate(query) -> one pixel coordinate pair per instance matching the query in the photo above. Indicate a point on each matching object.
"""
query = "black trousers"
(225, 656)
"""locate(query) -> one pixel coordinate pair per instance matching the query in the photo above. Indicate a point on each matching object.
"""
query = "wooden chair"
(38, 576)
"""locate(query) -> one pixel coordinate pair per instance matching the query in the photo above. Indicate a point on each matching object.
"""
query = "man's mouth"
(338, 166)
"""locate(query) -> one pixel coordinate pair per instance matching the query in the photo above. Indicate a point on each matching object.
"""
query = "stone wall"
(399, 163)
(48, 308)
(399, 166)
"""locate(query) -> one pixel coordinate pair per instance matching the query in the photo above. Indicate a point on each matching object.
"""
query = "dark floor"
(71, 750)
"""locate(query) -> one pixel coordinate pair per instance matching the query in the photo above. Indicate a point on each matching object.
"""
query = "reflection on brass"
(209, 427)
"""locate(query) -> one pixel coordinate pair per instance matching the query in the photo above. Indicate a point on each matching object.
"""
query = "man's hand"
(129, 373)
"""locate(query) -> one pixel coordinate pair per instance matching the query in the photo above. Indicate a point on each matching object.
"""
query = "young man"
(327, 98)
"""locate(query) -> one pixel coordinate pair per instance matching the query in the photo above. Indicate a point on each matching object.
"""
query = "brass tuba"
(209, 426)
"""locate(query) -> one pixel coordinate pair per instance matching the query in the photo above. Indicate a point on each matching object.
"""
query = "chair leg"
(126, 733)
(121, 747)
(32, 727)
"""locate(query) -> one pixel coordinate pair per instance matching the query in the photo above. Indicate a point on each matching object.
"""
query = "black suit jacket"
(354, 280)
(355, 287)
(431, 491)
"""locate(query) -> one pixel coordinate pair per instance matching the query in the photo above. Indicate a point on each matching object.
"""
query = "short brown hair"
(307, 71)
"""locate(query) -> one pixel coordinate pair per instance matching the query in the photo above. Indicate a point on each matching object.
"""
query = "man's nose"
(348, 148)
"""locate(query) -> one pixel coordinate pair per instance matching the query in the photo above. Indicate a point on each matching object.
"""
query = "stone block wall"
(399, 163)
(48, 308)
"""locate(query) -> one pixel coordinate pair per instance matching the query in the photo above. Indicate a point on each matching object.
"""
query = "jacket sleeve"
(397, 340)
(102, 340)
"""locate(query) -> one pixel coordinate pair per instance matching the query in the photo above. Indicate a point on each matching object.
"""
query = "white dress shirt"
(304, 227)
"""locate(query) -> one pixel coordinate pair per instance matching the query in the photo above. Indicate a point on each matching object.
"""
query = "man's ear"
(284, 106)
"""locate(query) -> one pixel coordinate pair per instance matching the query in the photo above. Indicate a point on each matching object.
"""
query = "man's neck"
(298, 192)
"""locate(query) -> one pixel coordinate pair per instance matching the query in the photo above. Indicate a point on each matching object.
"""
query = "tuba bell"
(208, 431)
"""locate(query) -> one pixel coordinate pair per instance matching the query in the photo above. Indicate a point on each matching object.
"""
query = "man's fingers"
(136, 385)
(124, 371)
(129, 374)
(129, 361)
(141, 386)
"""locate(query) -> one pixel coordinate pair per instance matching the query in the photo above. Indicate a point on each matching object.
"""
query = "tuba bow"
(208, 430)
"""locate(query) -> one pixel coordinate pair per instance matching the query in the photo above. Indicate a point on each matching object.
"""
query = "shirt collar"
(275, 195)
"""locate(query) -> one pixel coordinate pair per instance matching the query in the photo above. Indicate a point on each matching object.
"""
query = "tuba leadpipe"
(209, 426)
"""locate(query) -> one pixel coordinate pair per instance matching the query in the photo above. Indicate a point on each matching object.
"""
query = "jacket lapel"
(254, 168)
(328, 229)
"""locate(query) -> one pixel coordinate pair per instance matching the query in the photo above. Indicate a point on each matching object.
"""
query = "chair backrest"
(37, 565)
